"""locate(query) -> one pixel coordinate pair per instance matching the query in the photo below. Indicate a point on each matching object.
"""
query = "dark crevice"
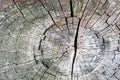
(71, 8)
(75, 41)
(75, 48)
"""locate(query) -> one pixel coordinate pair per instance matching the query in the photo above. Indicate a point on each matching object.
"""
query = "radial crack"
(71, 8)
(75, 48)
